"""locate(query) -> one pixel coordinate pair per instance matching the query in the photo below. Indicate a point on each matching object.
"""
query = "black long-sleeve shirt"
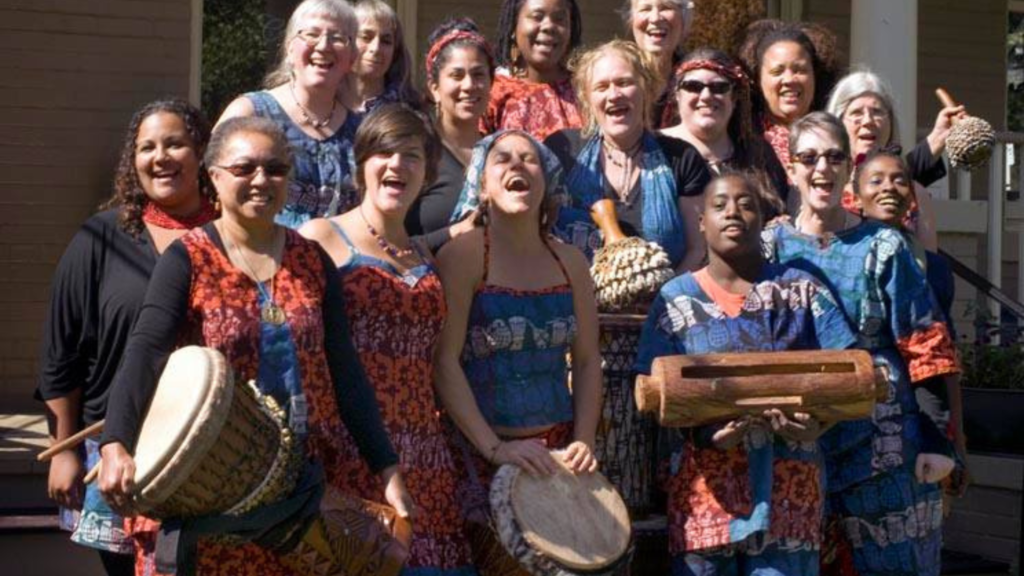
(157, 333)
(430, 216)
(97, 293)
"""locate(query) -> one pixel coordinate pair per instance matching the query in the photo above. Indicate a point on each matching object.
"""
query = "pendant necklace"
(270, 312)
(307, 116)
(626, 165)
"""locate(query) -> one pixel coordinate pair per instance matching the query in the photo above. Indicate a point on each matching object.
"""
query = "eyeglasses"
(718, 87)
(809, 158)
(272, 169)
(312, 37)
(860, 115)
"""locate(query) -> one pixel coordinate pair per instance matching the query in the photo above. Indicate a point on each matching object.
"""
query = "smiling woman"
(382, 67)
(302, 98)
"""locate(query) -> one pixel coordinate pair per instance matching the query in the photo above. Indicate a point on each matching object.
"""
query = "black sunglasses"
(272, 169)
(809, 158)
(718, 87)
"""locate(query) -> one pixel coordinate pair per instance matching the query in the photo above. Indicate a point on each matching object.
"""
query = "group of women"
(408, 277)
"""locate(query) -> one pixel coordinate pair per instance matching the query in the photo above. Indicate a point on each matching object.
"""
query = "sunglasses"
(809, 158)
(718, 87)
(272, 169)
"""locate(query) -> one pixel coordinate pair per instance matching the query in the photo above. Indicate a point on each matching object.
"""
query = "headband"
(733, 73)
(455, 35)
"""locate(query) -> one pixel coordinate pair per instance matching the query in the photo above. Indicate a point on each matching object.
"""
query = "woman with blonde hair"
(655, 181)
(301, 96)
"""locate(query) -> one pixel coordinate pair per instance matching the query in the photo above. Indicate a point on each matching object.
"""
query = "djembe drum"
(625, 436)
(210, 445)
(564, 524)
(692, 390)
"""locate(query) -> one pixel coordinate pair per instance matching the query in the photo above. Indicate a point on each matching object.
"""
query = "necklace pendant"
(272, 314)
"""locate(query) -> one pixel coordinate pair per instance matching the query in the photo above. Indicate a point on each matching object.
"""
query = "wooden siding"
(71, 74)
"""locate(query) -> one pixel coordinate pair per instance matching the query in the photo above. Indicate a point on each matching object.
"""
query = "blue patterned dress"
(889, 523)
(321, 184)
(755, 508)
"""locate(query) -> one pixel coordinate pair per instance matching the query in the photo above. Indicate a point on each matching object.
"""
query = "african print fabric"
(766, 495)
(538, 108)
(395, 320)
(870, 463)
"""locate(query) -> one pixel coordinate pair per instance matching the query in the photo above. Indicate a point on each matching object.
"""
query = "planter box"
(994, 420)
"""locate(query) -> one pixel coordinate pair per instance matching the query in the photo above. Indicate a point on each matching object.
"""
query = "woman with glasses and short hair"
(301, 96)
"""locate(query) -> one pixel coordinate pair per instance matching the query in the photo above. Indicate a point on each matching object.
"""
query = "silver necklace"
(307, 116)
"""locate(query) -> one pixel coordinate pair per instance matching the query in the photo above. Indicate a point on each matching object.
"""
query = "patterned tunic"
(396, 320)
(321, 183)
(764, 497)
(892, 522)
(538, 108)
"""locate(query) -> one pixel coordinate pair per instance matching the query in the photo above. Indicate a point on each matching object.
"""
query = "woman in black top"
(655, 181)
(460, 67)
(159, 192)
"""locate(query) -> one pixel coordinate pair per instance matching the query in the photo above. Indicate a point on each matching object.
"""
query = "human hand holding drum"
(529, 454)
(579, 456)
(797, 426)
(396, 494)
(931, 468)
(117, 477)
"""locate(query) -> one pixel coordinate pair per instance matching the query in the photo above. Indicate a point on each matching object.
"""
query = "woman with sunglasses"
(160, 191)
(655, 181)
(713, 97)
(302, 98)
(382, 67)
(882, 471)
(266, 298)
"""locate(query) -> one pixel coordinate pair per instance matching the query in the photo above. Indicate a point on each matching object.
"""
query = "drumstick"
(945, 98)
(93, 473)
(70, 442)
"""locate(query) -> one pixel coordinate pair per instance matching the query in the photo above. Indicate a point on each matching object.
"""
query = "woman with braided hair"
(533, 88)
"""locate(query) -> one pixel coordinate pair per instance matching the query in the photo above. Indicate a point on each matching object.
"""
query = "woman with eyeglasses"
(865, 104)
(713, 97)
(655, 181)
(382, 67)
(301, 96)
(269, 300)
(881, 472)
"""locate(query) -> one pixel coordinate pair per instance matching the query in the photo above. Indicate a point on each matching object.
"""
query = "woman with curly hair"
(532, 90)
(160, 191)
(713, 97)
(382, 68)
(794, 67)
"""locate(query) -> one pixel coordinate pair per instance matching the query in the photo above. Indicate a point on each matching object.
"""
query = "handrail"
(982, 284)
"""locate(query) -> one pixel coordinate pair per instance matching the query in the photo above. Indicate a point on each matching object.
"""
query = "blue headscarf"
(662, 222)
(469, 198)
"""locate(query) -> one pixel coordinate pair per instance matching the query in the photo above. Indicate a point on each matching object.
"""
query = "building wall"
(72, 73)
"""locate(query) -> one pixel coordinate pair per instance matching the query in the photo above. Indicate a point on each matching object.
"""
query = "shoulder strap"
(344, 237)
(264, 104)
(561, 266)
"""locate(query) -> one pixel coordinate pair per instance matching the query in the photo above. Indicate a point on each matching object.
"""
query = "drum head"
(194, 385)
(579, 521)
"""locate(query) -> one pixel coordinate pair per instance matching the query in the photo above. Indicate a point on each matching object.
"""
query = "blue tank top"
(515, 355)
(321, 183)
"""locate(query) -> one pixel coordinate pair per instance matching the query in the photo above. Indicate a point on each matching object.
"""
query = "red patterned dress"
(203, 299)
(538, 108)
(396, 320)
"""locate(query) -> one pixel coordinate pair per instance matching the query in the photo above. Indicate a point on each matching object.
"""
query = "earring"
(437, 110)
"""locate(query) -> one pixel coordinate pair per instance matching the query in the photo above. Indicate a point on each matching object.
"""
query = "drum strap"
(277, 527)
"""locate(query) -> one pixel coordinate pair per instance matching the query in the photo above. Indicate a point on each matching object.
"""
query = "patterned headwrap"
(469, 198)
(454, 36)
(735, 74)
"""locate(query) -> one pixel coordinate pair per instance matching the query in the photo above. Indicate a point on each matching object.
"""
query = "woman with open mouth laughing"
(713, 97)
(880, 468)
(655, 181)
(659, 28)
(302, 98)
(518, 303)
(382, 67)
(532, 90)
(396, 308)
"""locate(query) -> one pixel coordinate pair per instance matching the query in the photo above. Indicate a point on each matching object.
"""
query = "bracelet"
(494, 451)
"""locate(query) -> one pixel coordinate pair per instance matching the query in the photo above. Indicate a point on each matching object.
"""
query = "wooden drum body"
(563, 524)
(692, 390)
(209, 445)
